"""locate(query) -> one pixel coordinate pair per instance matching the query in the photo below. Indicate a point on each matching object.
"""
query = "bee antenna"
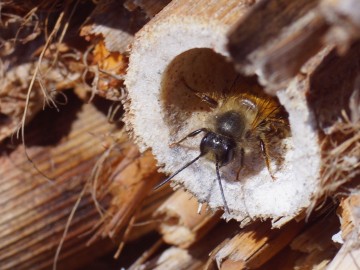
(175, 173)
(221, 188)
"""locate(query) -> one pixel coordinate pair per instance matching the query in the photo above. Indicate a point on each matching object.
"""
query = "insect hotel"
(180, 134)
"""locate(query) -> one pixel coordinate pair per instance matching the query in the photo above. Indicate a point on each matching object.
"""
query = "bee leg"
(242, 156)
(192, 134)
(265, 153)
(210, 101)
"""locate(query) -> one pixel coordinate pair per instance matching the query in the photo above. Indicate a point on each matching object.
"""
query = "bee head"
(220, 146)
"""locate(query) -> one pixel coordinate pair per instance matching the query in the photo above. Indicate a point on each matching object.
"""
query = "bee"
(237, 122)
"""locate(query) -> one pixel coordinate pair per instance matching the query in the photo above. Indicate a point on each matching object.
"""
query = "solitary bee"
(238, 121)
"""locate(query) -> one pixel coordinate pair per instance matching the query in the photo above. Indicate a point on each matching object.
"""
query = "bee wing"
(267, 109)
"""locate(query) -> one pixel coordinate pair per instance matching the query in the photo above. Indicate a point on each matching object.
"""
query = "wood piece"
(350, 216)
(349, 254)
(131, 183)
(180, 224)
(347, 257)
(144, 222)
(195, 256)
(316, 243)
(34, 211)
(254, 245)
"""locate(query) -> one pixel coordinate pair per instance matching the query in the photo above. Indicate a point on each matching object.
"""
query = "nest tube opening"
(162, 110)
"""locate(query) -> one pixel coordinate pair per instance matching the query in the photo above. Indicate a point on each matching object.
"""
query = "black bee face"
(222, 147)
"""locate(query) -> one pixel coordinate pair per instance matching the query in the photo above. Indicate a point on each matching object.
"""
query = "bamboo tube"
(180, 224)
(117, 22)
(343, 17)
(160, 62)
(291, 37)
(278, 50)
(110, 21)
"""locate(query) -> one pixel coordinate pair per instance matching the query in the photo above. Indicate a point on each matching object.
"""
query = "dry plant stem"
(191, 38)
(145, 222)
(112, 22)
(194, 257)
(37, 68)
(316, 243)
(13, 97)
(350, 216)
(147, 254)
(67, 226)
(336, 109)
(110, 28)
(126, 233)
(278, 50)
(34, 212)
(254, 245)
(130, 186)
(180, 224)
(343, 16)
(142, 221)
(291, 37)
(26, 79)
(349, 254)
(173, 258)
(347, 257)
